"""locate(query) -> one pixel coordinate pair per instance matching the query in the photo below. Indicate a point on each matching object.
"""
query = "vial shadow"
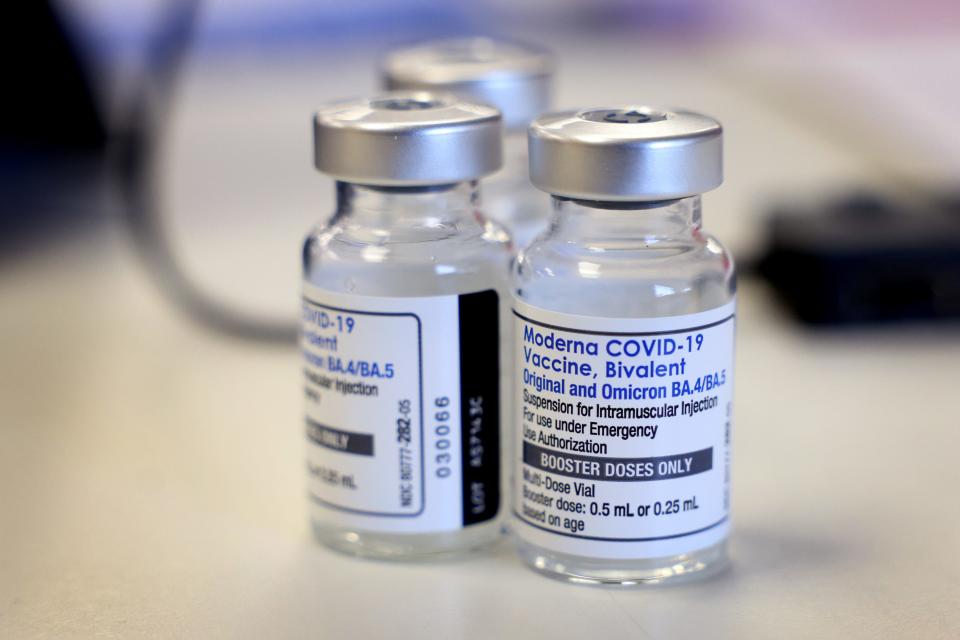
(762, 555)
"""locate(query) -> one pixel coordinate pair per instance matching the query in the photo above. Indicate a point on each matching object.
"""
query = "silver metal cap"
(628, 153)
(512, 77)
(407, 138)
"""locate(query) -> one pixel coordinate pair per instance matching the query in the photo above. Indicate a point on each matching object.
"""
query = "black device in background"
(864, 259)
(61, 159)
(53, 139)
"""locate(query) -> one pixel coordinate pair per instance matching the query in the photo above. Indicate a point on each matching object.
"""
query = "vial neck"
(432, 210)
(647, 221)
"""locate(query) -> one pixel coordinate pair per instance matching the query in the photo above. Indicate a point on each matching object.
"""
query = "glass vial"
(516, 79)
(623, 325)
(401, 326)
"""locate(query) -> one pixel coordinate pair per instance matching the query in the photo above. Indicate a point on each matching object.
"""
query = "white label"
(624, 431)
(399, 440)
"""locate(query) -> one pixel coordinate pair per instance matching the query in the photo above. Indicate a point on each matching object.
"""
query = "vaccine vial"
(516, 79)
(401, 318)
(624, 326)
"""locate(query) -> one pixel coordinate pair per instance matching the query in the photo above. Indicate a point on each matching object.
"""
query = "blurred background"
(156, 168)
(206, 106)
